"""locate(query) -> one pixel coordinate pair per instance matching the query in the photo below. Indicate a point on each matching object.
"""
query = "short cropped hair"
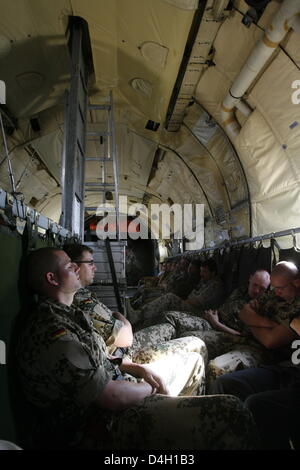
(210, 264)
(38, 264)
(196, 262)
(75, 251)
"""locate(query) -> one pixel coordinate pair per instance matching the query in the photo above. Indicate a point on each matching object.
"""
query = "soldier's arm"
(275, 337)
(122, 394)
(252, 319)
(71, 366)
(124, 336)
(145, 373)
(213, 318)
(295, 325)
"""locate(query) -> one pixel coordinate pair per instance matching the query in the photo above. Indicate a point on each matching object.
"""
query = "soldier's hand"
(211, 316)
(254, 304)
(154, 380)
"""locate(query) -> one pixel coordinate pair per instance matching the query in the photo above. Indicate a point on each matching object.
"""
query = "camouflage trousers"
(145, 295)
(180, 362)
(153, 312)
(226, 352)
(217, 422)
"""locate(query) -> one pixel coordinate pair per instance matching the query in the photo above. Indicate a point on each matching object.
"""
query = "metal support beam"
(73, 162)
(113, 275)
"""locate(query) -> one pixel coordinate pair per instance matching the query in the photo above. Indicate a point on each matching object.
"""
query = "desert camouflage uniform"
(209, 294)
(227, 352)
(63, 367)
(185, 423)
(103, 320)
(158, 342)
(283, 311)
(149, 345)
(181, 284)
(245, 351)
(229, 310)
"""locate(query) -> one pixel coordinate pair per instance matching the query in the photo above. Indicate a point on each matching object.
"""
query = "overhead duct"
(286, 18)
(197, 57)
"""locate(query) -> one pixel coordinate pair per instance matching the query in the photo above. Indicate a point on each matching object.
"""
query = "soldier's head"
(82, 255)
(50, 272)
(208, 269)
(258, 283)
(285, 280)
(183, 264)
(194, 269)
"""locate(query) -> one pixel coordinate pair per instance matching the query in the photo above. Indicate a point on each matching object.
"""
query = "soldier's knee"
(256, 404)
(222, 385)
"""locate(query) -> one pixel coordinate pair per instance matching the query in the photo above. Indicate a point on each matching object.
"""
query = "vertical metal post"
(115, 161)
(73, 163)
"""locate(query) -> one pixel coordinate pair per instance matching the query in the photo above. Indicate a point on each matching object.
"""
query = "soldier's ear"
(51, 279)
(296, 283)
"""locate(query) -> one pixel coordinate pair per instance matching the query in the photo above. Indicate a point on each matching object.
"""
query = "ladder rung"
(99, 106)
(96, 184)
(96, 190)
(98, 134)
(98, 159)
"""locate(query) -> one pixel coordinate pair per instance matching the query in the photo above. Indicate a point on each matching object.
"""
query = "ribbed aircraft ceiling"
(137, 48)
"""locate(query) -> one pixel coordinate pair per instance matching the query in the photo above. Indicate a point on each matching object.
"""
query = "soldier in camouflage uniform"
(229, 341)
(272, 392)
(209, 295)
(108, 325)
(81, 398)
(147, 346)
(185, 281)
(114, 328)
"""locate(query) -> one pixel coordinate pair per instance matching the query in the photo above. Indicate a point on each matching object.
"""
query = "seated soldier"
(272, 392)
(226, 318)
(180, 282)
(209, 294)
(151, 287)
(185, 280)
(116, 330)
(265, 336)
(80, 398)
(113, 326)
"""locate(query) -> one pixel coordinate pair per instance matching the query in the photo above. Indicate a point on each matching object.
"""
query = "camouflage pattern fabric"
(229, 310)
(151, 313)
(181, 366)
(156, 343)
(185, 322)
(103, 320)
(146, 294)
(183, 423)
(209, 294)
(181, 284)
(63, 367)
(282, 311)
(228, 353)
(150, 337)
(242, 358)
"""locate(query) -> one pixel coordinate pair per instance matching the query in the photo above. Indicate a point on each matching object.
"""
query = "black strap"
(113, 275)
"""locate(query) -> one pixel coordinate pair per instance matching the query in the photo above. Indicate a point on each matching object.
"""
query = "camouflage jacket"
(282, 311)
(102, 317)
(228, 312)
(209, 293)
(181, 284)
(63, 367)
